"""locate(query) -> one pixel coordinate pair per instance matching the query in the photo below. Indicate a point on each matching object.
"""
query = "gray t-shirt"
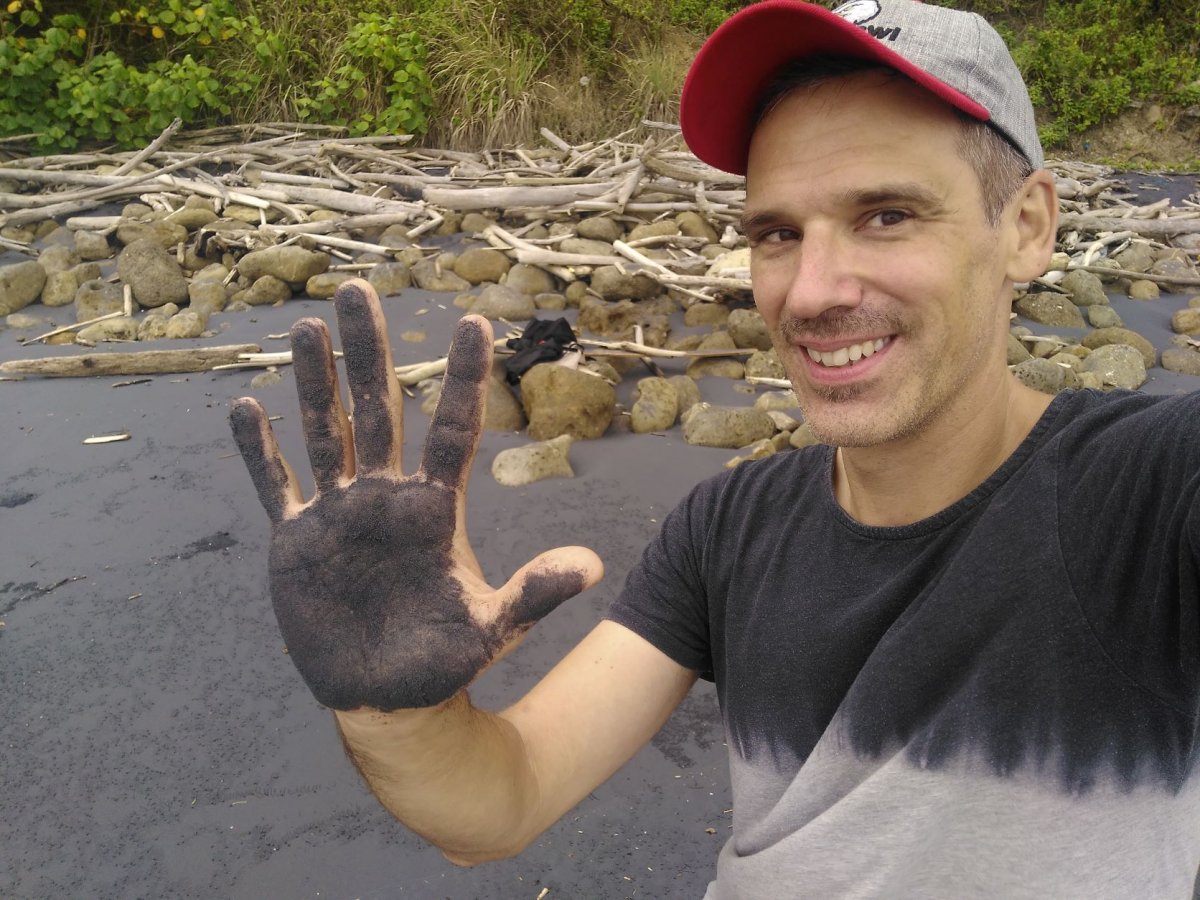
(999, 700)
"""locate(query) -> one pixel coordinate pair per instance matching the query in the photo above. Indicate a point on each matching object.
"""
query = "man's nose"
(825, 276)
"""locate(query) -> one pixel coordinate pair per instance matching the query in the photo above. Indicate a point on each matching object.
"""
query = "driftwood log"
(139, 362)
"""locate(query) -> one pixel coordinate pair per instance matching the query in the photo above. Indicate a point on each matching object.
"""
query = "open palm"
(380, 599)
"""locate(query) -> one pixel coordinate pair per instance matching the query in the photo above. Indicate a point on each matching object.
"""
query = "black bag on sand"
(543, 340)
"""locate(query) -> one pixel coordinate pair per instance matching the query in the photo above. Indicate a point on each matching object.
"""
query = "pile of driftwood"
(334, 192)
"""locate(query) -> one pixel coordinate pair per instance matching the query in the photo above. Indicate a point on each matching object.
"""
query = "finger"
(326, 427)
(378, 431)
(541, 585)
(272, 476)
(458, 420)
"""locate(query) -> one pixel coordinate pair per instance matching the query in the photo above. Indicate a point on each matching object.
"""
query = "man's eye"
(777, 236)
(887, 218)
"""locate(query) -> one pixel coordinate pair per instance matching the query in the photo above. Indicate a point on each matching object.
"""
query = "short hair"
(999, 166)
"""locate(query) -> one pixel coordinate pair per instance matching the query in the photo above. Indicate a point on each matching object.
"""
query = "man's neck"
(905, 481)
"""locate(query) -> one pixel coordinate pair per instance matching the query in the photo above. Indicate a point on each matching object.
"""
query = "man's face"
(872, 261)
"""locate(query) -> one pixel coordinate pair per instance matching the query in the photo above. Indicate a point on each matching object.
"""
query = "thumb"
(542, 584)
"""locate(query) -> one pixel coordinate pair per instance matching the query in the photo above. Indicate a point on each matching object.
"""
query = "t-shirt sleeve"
(664, 599)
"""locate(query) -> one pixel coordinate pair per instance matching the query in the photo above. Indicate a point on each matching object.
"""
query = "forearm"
(456, 775)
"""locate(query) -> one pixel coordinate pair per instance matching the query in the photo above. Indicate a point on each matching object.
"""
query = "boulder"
(186, 324)
(1017, 351)
(1041, 375)
(530, 279)
(699, 314)
(266, 291)
(499, 301)
(119, 329)
(1103, 317)
(617, 321)
(559, 400)
(390, 278)
(60, 289)
(748, 329)
(1117, 365)
(1143, 290)
(655, 406)
(1184, 360)
(518, 466)
(587, 247)
(686, 390)
(662, 228)
(1086, 289)
(731, 427)
(1186, 321)
(777, 401)
(152, 328)
(1102, 337)
(765, 364)
(19, 285)
(207, 296)
(58, 258)
(717, 366)
(503, 411)
(610, 283)
(600, 228)
(482, 264)
(166, 235)
(430, 275)
(1050, 309)
(153, 274)
(692, 224)
(289, 263)
(1137, 257)
(324, 285)
(97, 298)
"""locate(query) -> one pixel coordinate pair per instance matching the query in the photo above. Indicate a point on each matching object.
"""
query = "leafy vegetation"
(487, 72)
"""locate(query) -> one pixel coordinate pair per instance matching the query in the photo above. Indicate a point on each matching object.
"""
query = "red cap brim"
(738, 61)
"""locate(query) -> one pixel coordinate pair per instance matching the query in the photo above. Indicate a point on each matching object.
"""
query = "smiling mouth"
(846, 356)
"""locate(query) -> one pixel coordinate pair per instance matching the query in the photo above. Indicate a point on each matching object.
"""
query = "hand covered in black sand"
(379, 597)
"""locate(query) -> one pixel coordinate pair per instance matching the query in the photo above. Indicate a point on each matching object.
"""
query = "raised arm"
(387, 616)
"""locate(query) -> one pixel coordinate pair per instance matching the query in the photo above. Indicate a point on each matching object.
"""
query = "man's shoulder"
(1133, 418)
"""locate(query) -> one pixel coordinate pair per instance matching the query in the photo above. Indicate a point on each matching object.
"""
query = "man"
(955, 647)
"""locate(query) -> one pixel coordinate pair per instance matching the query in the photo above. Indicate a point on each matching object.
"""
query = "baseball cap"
(956, 55)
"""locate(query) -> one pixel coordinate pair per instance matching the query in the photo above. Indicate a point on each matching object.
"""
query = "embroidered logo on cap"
(858, 12)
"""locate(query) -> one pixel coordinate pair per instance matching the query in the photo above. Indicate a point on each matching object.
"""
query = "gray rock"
(186, 324)
(550, 301)
(587, 247)
(518, 466)
(23, 321)
(611, 283)
(290, 263)
(1137, 257)
(58, 258)
(1050, 309)
(266, 291)
(135, 210)
(765, 364)
(1186, 321)
(692, 224)
(474, 222)
(530, 280)
(600, 228)
(1117, 365)
(706, 314)
(1143, 290)
(1185, 361)
(748, 329)
(213, 272)
(663, 228)
(803, 437)
(152, 273)
(1086, 289)
(559, 400)
(1041, 375)
(152, 328)
(731, 427)
(1174, 267)
(499, 301)
(503, 411)
(191, 217)
(389, 278)
(1105, 336)
(686, 390)
(20, 285)
(1103, 317)
(1017, 351)
(480, 264)
(166, 235)
(576, 292)
(265, 380)
(60, 289)
(430, 275)
(618, 320)
(97, 298)
(716, 367)
(86, 271)
(207, 296)
(655, 407)
(324, 285)
(120, 329)
(777, 401)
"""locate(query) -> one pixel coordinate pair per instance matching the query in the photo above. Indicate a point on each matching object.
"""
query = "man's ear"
(1033, 214)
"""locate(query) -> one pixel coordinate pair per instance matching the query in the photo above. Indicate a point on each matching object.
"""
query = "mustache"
(834, 325)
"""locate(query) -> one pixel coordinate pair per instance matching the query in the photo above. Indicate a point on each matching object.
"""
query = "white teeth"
(846, 355)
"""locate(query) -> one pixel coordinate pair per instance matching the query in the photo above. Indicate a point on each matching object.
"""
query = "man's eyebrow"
(905, 193)
(908, 192)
